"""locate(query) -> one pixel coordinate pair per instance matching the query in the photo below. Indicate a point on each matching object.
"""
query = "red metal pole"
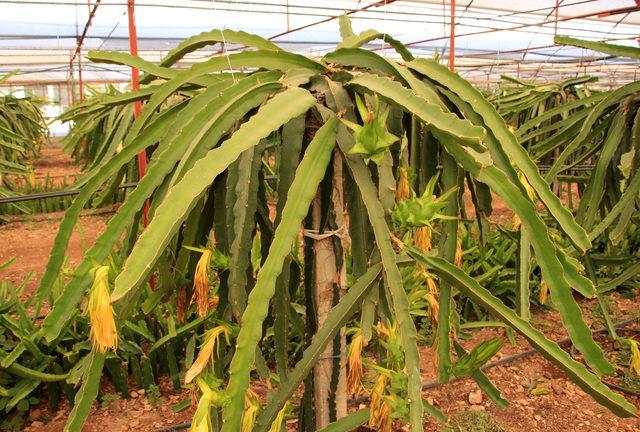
(135, 85)
(452, 37)
(81, 87)
(80, 84)
(72, 95)
(555, 24)
(84, 140)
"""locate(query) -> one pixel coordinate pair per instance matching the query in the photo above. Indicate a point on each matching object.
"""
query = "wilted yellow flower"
(354, 363)
(379, 418)
(387, 332)
(527, 186)
(544, 290)
(431, 284)
(103, 332)
(432, 297)
(458, 258)
(515, 222)
(635, 357)
(251, 408)
(201, 421)
(206, 352)
(377, 391)
(422, 238)
(201, 288)
(276, 426)
(403, 189)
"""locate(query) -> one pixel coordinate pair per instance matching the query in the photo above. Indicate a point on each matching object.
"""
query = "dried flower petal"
(206, 352)
(276, 426)
(201, 287)
(544, 291)
(251, 408)
(354, 364)
(422, 238)
(403, 189)
(635, 357)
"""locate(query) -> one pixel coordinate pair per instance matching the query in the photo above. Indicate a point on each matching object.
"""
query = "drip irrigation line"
(176, 427)
(54, 194)
(41, 177)
(621, 388)
(518, 356)
(99, 212)
(71, 192)
(501, 362)
(575, 168)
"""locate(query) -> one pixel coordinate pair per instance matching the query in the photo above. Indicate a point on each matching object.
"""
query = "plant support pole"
(452, 37)
(135, 85)
(80, 83)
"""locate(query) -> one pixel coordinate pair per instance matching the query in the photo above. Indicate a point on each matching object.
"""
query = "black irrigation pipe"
(98, 212)
(501, 362)
(621, 388)
(527, 353)
(176, 427)
(575, 168)
(70, 192)
(54, 194)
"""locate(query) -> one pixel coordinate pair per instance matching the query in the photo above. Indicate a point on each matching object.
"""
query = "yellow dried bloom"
(354, 363)
(387, 332)
(634, 364)
(251, 408)
(403, 189)
(516, 223)
(527, 186)
(201, 288)
(431, 284)
(201, 421)
(206, 352)
(544, 290)
(103, 332)
(377, 391)
(422, 238)
(379, 418)
(276, 426)
(458, 258)
(432, 297)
